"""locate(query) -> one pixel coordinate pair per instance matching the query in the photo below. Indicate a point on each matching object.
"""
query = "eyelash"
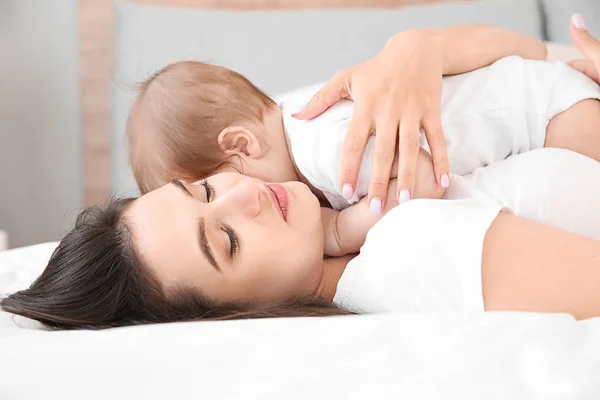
(234, 247)
(233, 251)
(209, 189)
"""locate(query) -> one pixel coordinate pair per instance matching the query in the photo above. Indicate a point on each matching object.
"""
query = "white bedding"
(485, 356)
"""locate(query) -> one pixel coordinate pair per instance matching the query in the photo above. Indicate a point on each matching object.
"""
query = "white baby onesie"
(487, 115)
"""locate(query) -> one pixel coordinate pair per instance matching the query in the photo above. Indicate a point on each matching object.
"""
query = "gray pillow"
(559, 12)
(276, 50)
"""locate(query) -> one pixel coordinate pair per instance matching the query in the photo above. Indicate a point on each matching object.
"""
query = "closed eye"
(233, 240)
(210, 191)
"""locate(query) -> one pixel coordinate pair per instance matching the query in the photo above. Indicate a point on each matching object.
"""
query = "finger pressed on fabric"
(383, 157)
(331, 93)
(408, 153)
(358, 133)
(586, 67)
(434, 132)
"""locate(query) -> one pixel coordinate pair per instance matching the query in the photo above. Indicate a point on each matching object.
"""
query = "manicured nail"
(295, 115)
(375, 206)
(578, 21)
(445, 180)
(347, 191)
(404, 196)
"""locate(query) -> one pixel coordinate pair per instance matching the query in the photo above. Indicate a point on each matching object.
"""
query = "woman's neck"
(333, 268)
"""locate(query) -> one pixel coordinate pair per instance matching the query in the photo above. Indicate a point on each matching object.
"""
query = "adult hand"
(397, 92)
(588, 45)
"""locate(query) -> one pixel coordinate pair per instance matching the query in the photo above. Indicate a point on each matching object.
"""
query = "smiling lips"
(280, 197)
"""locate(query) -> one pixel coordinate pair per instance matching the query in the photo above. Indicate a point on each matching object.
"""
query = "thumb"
(586, 67)
(333, 91)
(585, 42)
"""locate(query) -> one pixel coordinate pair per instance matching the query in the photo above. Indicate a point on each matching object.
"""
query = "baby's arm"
(346, 230)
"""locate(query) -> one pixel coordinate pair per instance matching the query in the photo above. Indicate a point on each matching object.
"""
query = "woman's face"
(232, 238)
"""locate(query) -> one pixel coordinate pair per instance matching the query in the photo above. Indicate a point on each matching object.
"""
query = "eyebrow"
(205, 247)
(202, 238)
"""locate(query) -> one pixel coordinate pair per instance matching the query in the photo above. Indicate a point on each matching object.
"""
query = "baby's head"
(192, 119)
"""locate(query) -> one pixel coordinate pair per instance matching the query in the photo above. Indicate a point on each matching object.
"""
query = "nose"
(241, 199)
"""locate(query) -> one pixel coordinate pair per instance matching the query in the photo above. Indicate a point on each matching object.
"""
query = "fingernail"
(347, 191)
(404, 196)
(299, 110)
(445, 180)
(375, 206)
(578, 21)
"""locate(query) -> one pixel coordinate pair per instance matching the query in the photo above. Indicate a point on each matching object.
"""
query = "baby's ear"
(237, 140)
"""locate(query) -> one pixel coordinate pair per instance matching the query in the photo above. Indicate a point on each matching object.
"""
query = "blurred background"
(67, 67)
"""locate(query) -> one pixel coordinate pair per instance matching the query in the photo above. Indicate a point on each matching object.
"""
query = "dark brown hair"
(175, 121)
(95, 279)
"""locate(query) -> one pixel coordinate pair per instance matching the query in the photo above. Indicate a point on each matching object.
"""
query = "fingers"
(439, 149)
(407, 161)
(333, 91)
(354, 146)
(585, 42)
(383, 157)
(586, 67)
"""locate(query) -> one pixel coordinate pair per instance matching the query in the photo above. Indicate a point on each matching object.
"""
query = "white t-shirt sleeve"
(556, 187)
(423, 256)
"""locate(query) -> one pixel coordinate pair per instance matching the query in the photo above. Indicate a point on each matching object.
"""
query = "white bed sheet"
(18, 268)
(485, 356)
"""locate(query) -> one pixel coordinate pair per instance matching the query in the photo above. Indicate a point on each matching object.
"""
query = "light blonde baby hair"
(175, 121)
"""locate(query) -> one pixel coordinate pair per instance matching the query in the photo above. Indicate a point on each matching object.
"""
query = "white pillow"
(18, 269)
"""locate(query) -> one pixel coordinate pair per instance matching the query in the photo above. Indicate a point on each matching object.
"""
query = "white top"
(425, 255)
(487, 115)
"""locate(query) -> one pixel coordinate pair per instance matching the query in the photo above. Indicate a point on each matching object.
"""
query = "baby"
(193, 119)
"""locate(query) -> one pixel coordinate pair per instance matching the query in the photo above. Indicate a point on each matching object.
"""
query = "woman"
(183, 252)
(234, 256)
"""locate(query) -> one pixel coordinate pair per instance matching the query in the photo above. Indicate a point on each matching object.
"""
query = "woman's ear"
(237, 140)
